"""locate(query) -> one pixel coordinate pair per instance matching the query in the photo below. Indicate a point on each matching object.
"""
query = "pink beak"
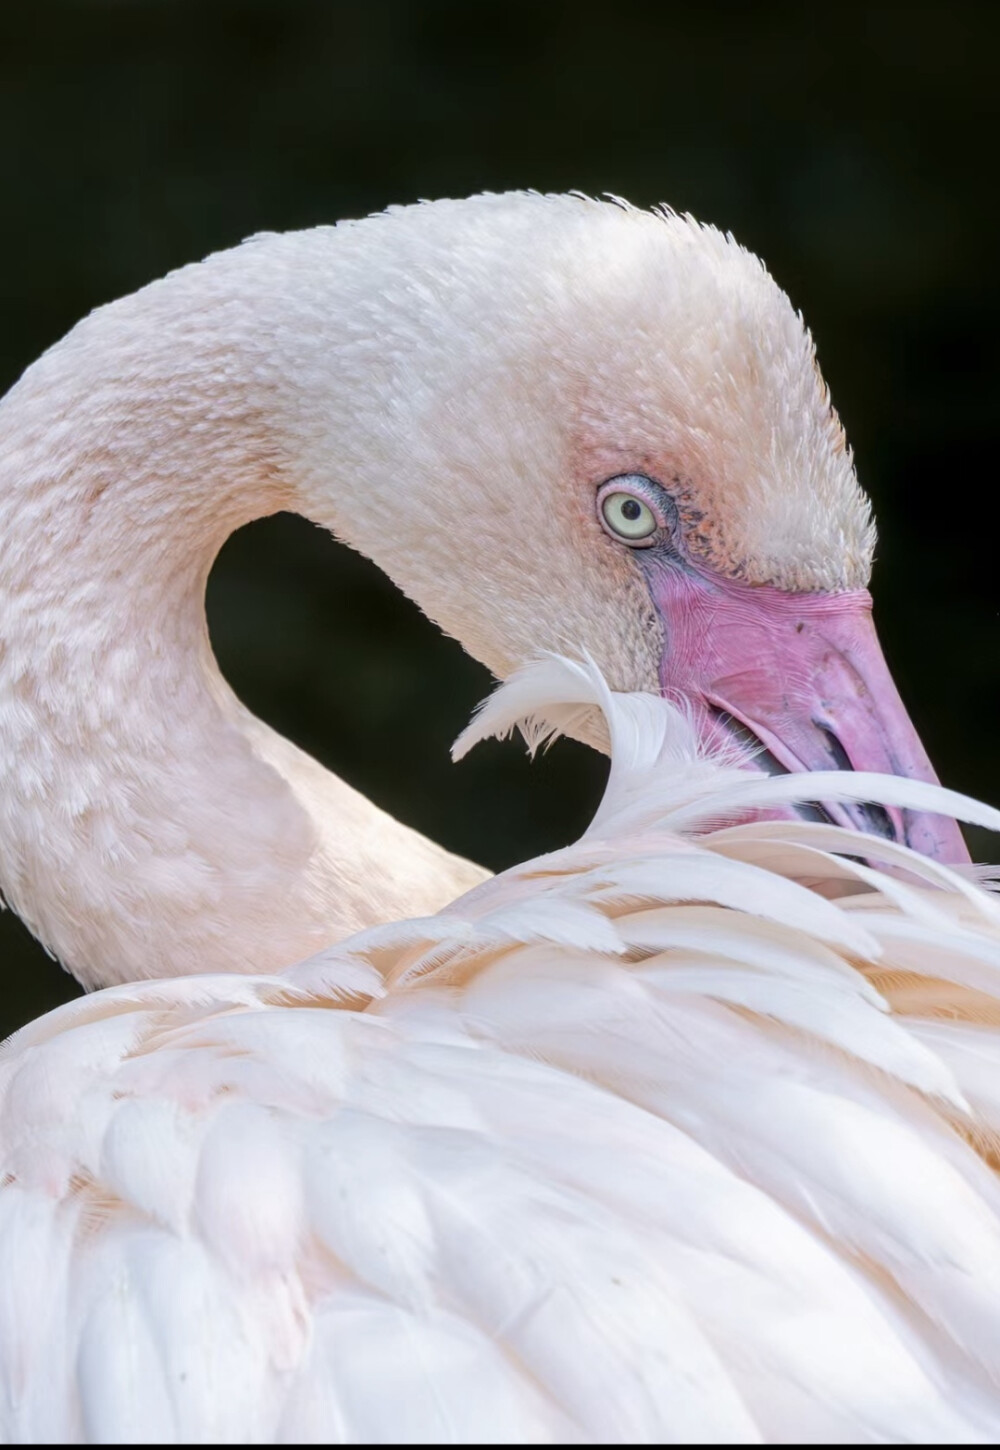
(805, 675)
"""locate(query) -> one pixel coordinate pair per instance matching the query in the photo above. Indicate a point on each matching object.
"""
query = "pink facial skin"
(803, 672)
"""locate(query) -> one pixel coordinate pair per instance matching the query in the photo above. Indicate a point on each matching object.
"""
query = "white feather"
(629, 1144)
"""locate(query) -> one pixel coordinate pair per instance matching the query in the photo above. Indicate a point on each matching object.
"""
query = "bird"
(253, 1187)
(556, 423)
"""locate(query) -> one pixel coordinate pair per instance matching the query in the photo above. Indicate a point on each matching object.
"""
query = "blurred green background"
(854, 149)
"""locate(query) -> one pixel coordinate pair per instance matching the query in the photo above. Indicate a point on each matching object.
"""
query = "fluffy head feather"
(638, 342)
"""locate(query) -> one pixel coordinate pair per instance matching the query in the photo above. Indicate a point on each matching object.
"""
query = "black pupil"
(631, 510)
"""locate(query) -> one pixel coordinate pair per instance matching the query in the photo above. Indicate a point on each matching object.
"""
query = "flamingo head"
(622, 442)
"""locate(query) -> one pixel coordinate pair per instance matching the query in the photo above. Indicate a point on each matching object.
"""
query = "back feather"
(687, 1133)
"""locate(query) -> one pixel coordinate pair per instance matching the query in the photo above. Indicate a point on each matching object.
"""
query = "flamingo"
(686, 1132)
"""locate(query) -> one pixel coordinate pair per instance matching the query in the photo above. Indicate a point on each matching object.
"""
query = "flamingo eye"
(627, 512)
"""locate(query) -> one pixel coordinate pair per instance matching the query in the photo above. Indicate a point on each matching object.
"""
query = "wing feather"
(675, 1135)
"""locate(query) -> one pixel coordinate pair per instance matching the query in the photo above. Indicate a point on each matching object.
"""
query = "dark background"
(855, 150)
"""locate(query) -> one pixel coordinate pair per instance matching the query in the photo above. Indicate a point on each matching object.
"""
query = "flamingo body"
(684, 1133)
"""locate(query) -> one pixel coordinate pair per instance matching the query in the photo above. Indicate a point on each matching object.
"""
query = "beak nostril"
(866, 816)
(873, 818)
(840, 757)
(762, 757)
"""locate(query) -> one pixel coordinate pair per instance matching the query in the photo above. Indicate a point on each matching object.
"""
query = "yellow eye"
(628, 517)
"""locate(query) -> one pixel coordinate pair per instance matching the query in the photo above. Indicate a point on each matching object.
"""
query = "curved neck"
(149, 825)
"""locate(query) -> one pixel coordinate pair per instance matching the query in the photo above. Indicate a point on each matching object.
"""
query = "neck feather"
(149, 825)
